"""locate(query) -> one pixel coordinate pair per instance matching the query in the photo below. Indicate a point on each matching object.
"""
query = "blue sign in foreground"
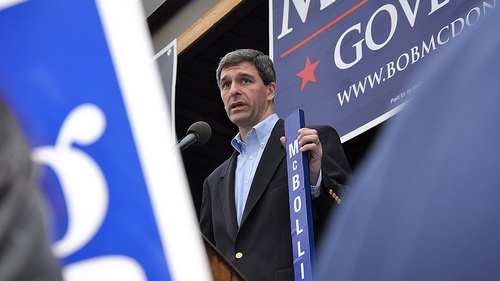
(299, 192)
(79, 77)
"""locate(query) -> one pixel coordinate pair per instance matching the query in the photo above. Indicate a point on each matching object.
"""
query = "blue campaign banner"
(349, 64)
(299, 192)
(80, 78)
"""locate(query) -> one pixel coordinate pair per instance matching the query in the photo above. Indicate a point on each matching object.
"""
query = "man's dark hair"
(261, 61)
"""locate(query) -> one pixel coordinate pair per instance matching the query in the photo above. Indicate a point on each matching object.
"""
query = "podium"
(222, 269)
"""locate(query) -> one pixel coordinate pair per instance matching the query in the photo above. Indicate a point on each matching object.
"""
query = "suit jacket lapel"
(269, 162)
(226, 193)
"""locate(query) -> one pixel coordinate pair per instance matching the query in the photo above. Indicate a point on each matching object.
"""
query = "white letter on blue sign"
(435, 5)
(293, 148)
(339, 62)
(297, 204)
(301, 253)
(298, 230)
(302, 8)
(295, 182)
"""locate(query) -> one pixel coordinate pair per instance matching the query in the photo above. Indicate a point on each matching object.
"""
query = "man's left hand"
(309, 141)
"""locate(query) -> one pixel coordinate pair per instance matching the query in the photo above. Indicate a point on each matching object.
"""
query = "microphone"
(198, 133)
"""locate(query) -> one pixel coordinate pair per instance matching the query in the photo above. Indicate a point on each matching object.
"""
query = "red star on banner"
(307, 74)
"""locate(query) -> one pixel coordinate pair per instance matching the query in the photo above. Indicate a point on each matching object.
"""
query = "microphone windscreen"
(202, 130)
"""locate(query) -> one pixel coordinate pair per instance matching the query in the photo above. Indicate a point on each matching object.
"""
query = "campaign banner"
(79, 77)
(299, 192)
(349, 64)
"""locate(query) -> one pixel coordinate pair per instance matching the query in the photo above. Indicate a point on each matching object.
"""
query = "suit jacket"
(261, 248)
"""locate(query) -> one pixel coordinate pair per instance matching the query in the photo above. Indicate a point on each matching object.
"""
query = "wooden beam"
(205, 23)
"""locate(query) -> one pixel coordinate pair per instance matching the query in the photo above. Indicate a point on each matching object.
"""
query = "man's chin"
(237, 117)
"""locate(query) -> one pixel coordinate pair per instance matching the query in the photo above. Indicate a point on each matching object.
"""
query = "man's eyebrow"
(244, 74)
(238, 75)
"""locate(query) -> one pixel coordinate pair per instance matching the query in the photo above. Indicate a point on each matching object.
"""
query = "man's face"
(246, 99)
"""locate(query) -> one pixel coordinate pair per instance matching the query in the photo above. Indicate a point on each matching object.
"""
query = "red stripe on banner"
(324, 28)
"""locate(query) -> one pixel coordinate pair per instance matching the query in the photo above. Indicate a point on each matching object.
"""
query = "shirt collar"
(262, 130)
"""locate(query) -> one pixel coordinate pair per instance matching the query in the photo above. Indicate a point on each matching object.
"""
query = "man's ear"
(271, 91)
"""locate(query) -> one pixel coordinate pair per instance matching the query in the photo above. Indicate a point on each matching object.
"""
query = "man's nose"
(234, 90)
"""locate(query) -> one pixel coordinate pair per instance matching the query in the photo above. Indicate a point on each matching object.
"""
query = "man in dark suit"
(245, 209)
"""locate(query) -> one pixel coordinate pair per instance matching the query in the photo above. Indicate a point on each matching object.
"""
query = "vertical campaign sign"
(166, 59)
(79, 77)
(349, 63)
(299, 192)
